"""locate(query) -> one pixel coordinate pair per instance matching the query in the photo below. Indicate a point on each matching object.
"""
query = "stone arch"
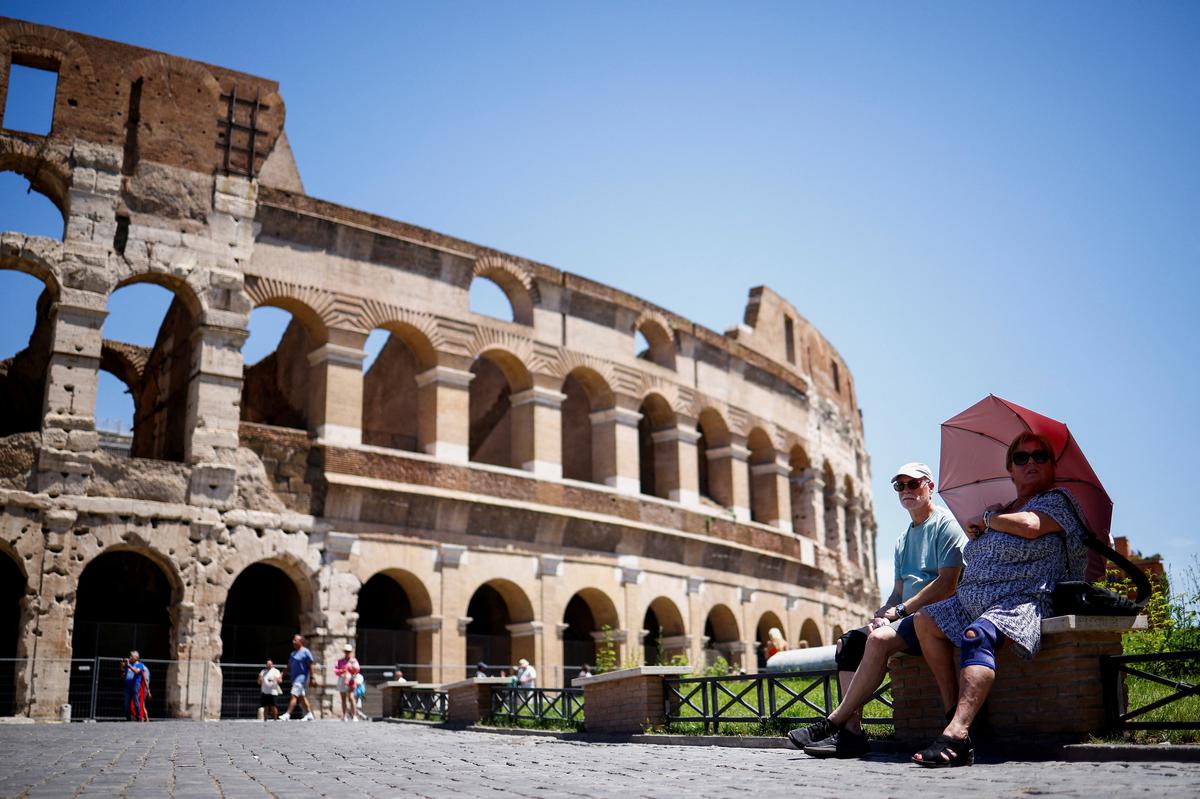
(852, 520)
(313, 308)
(659, 336)
(385, 637)
(713, 461)
(23, 376)
(658, 468)
(392, 409)
(499, 631)
(833, 514)
(722, 634)
(586, 613)
(34, 258)
(500, 431)
(766, 621)
(14, 586)
(162, 395)
(837, 633)
(665, 632)
(585, 445)
(810, 633)
(764, 500)
(48, 171)
(48, 46)
(124, 600)
(516, 283)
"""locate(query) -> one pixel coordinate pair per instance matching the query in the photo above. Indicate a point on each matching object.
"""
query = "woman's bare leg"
(939, 654)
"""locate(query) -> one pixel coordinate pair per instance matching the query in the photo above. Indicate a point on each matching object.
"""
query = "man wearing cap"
(928, 562)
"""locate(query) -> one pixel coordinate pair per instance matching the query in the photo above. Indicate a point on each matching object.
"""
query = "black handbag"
(1081, 598)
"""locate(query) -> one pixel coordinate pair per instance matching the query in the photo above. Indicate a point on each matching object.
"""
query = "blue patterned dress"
(1007, 579)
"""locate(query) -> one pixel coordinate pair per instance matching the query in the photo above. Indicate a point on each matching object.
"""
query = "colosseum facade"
(487, 490)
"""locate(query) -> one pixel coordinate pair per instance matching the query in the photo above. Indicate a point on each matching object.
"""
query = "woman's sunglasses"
(1039, 456)
(911, 485)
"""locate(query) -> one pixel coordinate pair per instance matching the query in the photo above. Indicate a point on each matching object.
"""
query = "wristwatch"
(901, 611)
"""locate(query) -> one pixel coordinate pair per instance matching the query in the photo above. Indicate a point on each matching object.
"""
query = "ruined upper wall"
(171, 117)
(159, 108)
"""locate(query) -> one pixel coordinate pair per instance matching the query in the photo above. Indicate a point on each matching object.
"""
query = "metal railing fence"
(1161, 701)
(792, 697)
(424, 703)
(511, 705)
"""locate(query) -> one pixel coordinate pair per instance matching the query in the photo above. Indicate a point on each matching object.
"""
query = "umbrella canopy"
(973, 475)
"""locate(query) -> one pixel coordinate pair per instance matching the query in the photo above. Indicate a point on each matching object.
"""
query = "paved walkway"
(236, 759)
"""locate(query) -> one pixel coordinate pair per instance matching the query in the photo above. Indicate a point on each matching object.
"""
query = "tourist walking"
(300, 664)
(136, 676)
(346, 670)
(269, 680)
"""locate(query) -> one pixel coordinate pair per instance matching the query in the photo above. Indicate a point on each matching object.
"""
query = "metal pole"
(204, 692)
(95, 680)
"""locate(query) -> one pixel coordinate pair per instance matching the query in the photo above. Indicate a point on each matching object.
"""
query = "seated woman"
(1016, 554)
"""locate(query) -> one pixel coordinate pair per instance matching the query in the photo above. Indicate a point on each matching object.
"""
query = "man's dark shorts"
(907, 629)
(268, 700)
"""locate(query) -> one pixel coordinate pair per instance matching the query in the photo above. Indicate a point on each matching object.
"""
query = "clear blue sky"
(964, 198)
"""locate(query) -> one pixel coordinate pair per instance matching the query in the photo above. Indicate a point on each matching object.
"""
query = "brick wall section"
(469, 701)
(627, 701)
(1055, 698)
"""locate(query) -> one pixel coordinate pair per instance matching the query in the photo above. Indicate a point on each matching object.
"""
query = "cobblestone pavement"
(236, 759)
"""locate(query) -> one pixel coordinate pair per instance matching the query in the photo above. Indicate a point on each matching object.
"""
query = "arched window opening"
(123, 603)
(652, 644)
(721, 632)
(489, 640)
(487, 298)
(390, 401)
(586, 447)
(25, 343)
(261, 615)
(764, 505)
(766, 623)
(275, 375)
(385, 643)
(810, 634)
(500, 432)
(12, 590)
(713, 459)
(654, 456)
(652, 342)
(832, 511)
(852, 522)
(587, 614)
(579, 643)
(663, 624)
(803, 513)
(26, 210)
(153, 326)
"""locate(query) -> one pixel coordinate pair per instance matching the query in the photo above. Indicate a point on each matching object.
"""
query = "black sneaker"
(806, 736)
(842, 744)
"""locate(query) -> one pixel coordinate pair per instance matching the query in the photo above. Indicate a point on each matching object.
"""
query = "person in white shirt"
(268, 682)
(526, 674)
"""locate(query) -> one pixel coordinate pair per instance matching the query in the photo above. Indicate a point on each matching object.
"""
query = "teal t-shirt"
(936, 543)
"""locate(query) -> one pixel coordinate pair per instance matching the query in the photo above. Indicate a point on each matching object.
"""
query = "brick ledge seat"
(1056, 698)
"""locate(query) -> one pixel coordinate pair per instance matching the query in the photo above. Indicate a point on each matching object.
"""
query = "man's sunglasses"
(1038, 455)
(911, 485)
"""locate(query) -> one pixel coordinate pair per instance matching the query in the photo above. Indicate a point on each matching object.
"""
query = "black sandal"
(960, 753)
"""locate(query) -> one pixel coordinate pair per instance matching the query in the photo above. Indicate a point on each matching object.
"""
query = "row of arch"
(128, 599)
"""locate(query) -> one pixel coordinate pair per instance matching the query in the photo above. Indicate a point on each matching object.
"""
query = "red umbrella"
(973, 475)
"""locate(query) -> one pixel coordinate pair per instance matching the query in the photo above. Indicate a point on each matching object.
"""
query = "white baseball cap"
(915, 469)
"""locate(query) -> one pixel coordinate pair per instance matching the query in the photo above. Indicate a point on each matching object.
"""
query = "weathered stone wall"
(443, 466)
